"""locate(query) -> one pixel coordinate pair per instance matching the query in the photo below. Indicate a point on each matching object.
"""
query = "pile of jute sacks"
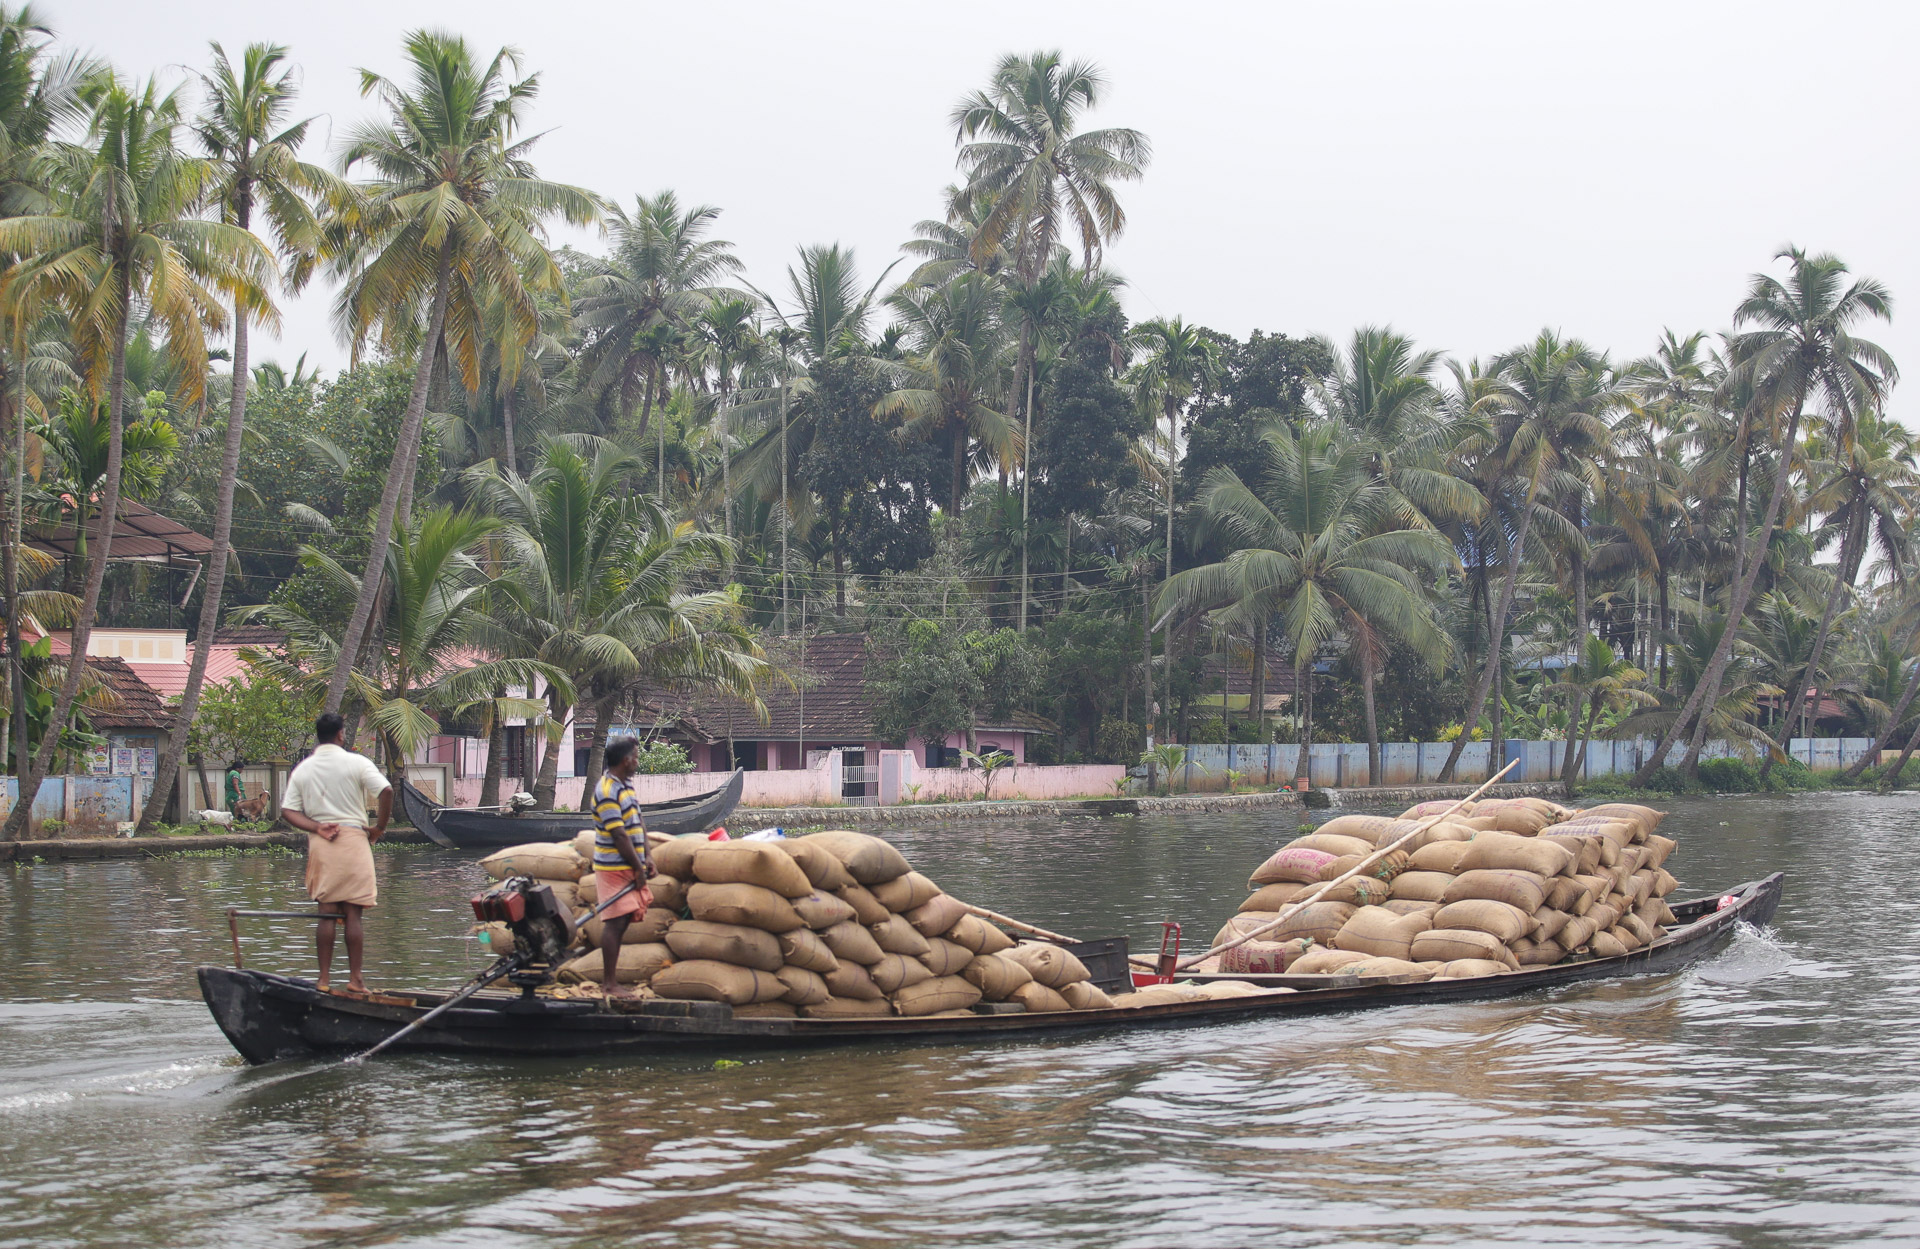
(835, 925)
(1498, 885)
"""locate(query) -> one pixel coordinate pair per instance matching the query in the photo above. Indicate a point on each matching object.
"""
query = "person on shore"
(236, 787)
(327, 798)
(620, 857)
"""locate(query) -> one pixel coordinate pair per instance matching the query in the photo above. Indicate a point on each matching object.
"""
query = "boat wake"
(1759, 953)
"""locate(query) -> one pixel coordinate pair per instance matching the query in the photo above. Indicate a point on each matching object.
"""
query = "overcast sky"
(1465, 172)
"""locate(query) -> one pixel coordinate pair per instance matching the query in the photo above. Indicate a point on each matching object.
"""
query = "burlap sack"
(866, 907)
(1083, 995)
(1547, 923)
(1374, 865)
(1642, 931)
(705, 980)
(1438, 856)
(761, 863)
(897, 936)
(582, 844)
(936, 915)
(1376, 931)
(1576, 932)
(637, 964)
(1508, 816)
(1507, 851)
(804, 948)
(1537, 953)
(1355, 890)
(1242, 924)
(1038, 998)
(996, 976)
(1325, 962)
(1439, 806)
(1444, 830)
(1320, 920)
(674, 857)
(766, 1010)
(1584, 847)
(848, 1008)
(1569, 893)
(978, 935)
(1663, 883)
(851, 943)
(868, 860)
(649, 928)
(540, 859)
(1374, 968)
(1326, 843)
(669, 893)
(851, 981)
(941, 993)
(820, 911)
(1420, 886)
(895, 971)
(1160, 995)
(1376, 830)
(904, 893)
(1450, 944)
(1263, 957)
(1606, 945)
(1646, 817)
(823, 870)
(1659, 847)
(1604, 915)
(725, 943)
(1471, 968)
(1273, 897)
(946, 958)
(1526, 890)
(804, 986)
(1407, 906)
(1050, 965)
(1505, 924)
(1300, 866)
(751, 905)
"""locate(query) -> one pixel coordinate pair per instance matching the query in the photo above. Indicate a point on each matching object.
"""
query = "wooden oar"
(1362, 866)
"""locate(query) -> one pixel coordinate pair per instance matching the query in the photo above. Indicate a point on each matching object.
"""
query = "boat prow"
(467, 828)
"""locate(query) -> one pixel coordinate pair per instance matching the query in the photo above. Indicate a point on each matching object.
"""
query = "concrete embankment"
(62, 849)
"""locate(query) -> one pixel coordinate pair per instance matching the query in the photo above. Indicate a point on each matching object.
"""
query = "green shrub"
(1730, 776)
(1669, 780)
(1794, 775)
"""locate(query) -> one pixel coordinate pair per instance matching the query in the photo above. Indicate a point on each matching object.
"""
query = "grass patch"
(223, 852)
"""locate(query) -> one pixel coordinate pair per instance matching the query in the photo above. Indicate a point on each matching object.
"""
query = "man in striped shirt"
(619, 856)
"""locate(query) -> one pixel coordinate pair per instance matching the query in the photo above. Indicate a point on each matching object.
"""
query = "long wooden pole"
(1362, 866)
(1016, 925)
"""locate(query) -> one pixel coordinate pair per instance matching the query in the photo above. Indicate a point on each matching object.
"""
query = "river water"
(1769, 1096)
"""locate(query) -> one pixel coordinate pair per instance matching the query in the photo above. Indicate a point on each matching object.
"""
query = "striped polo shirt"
(615, 810)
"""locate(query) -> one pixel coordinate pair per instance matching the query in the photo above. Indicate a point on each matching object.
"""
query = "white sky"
(1465, 172)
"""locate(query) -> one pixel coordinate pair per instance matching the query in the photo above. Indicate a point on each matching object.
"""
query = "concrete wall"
(65, 805)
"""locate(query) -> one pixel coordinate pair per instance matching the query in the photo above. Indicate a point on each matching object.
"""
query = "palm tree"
(253, 154)
(1319, 545)
(1601, 680)
(727, 330)
(431, 621)
(953, 373)
(596, 590)
(1545, 403)
(122, 228)
(450, 219)
(662, 274)
(1803, 349)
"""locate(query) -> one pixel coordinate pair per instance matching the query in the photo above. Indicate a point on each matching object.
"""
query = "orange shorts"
(610, 883)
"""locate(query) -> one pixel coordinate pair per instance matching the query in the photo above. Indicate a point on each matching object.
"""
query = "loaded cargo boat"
(269, 1018)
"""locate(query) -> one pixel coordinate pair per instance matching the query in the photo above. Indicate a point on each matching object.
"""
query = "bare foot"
(357, 989)
(617, 990)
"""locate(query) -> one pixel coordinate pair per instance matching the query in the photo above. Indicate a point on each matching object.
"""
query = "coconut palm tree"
(121, 228)
(1318, 545)
(950, 381)
(450, 218)
(727, 330)
(253, 156)
(1600, 680)
(1802, 348)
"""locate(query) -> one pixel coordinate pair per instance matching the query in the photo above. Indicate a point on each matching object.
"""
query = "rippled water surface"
(1770, 1096)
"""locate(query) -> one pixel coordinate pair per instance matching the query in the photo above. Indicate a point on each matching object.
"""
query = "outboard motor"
(542, 928)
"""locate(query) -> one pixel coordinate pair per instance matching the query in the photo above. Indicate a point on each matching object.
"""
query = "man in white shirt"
(327, 798)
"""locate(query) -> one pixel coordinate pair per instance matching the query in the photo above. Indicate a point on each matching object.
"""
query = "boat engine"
(542, 927)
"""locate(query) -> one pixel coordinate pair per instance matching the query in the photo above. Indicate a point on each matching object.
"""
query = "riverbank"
(58, 850)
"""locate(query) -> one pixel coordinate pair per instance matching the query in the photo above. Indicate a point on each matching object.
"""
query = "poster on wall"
(149, 761)
(122, 761)
(99, 760)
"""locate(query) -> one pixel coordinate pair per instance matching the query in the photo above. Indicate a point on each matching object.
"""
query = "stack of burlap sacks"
(1499, 885)
(835, 925)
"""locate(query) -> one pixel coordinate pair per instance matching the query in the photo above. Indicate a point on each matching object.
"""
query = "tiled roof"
(138, 706)
(140, 534)
(170, 680)
(248, 635)
(1239, 675)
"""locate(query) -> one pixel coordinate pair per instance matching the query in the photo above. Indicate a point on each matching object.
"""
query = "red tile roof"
(137, 706)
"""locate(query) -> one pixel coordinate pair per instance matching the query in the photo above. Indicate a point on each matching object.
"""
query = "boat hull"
(271, 1018)
(461, 828)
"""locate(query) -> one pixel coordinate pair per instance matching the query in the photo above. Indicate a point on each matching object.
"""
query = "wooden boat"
(270, 1018)
(465, 828)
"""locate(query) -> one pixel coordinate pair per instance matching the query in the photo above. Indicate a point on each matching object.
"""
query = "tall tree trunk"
(597, 745)
(16, 671)
(1879, 742)
(1026, 495)
(1706, 693)
(1579, 646)
(839, 574)
(165, 776)
(1166, 641)
(786, 512)
(549, 779)
(1852, 549)
(496, 756)
(1572, 778)
(507, 432)
(406, 451)
(1489, 672)
(1146, 651)
(1303, 708)
(109, 513)
(1257, 698)
(1373, 727)
(959, 482)
(1892, 776)
(1666, 618)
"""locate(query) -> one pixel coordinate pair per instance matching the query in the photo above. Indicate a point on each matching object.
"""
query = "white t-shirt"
(333, 785)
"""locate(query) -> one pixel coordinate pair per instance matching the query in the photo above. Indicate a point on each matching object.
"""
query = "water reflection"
(1766, 1098)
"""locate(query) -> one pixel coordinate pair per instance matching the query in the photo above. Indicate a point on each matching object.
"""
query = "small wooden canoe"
(465, 828)
(270, 1018)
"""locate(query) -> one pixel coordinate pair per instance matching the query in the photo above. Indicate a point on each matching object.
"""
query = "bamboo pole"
(1016, 925)
(1362, 866)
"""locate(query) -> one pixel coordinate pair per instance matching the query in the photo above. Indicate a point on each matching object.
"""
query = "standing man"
(327, 798)
(617, 861)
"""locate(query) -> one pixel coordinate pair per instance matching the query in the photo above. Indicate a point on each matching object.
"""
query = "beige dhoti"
(341, 870)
